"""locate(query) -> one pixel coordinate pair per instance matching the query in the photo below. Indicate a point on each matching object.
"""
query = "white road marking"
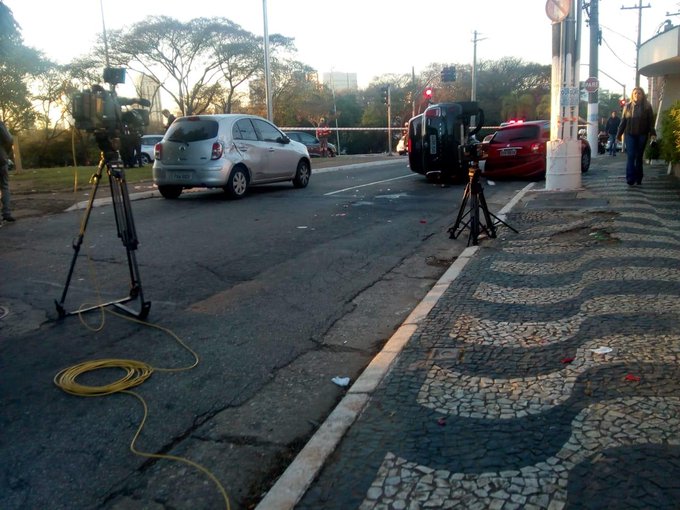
(368, 184)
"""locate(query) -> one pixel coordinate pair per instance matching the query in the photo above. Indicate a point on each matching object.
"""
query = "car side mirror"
(283, 139)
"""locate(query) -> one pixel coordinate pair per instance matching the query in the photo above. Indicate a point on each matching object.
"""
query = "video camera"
(470, 149)
(100, 111)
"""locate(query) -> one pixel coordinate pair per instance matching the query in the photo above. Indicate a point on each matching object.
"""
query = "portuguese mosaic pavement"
(547, 375)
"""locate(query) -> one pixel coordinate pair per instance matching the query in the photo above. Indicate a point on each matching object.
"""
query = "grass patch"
(46, 180)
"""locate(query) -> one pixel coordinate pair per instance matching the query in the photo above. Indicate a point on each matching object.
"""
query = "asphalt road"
(277, 294)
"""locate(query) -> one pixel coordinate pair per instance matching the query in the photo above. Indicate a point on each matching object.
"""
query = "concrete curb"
(357, 165)
(98, 202)
(297, 478)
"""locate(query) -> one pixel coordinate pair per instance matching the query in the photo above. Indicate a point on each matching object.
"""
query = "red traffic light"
(622, 102)
(427, 92)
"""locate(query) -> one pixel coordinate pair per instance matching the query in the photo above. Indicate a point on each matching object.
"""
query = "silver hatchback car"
(230, 151)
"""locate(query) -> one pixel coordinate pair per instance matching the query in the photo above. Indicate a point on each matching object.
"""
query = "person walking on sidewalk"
(637, 126)
(6, 142)
(612, 129)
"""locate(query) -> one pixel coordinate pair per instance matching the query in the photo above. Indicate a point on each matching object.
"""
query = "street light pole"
(267, 72)
(335, 114)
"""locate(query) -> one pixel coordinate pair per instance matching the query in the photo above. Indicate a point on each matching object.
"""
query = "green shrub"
(669, 143)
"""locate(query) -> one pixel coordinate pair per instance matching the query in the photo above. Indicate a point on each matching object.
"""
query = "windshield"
(192, 130)
(516, 134)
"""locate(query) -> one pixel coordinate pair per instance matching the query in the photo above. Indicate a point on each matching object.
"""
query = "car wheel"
(302, 174)
(170, 192)
(237, 185)
(585, 161)
(145, 159)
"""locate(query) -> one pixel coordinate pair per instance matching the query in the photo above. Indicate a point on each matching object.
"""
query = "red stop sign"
(592, 84)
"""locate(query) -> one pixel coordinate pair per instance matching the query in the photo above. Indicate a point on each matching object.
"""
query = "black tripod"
(474, 193)
(126, 231)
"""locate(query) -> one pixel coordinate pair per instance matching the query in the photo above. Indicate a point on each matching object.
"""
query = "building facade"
(340, 82)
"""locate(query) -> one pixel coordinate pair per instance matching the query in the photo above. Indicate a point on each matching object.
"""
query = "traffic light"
(385, 94)
(622, 102)
(448, 74)
(428, 92)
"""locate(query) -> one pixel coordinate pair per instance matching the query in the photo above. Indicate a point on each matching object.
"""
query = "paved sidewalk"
(546, 375)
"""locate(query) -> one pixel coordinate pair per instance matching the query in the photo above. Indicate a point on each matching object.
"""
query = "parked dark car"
(312, 143)
(518, 150)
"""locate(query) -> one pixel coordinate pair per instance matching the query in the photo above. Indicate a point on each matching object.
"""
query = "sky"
(367, 37)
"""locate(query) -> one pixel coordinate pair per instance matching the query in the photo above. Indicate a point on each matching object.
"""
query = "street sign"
(592, 84)
(569, 97)
(557, 10)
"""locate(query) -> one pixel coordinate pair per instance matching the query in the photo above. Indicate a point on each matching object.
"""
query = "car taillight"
(408, 144)
(433, 112)
(158, 151)
(217, 151)
(536, 147)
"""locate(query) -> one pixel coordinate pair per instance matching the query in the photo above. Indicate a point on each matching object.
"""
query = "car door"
(281, 161)
(253, 154)
(312, 143)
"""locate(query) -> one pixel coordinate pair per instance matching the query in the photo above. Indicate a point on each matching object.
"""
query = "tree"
(18, 63)
(508, 76)
(518, 105)
(179, 56)
(239, 59)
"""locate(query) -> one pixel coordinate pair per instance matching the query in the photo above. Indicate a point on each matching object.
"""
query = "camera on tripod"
(100, 111)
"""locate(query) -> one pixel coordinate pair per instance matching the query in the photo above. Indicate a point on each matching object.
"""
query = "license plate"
(508, 152)
(181, 177)
(433, 144)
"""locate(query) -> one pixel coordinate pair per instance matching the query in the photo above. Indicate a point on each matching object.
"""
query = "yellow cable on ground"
(136, 372)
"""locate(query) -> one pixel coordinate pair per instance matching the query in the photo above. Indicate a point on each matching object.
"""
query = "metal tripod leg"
(77, 243)
(127, 233)
(474, 193)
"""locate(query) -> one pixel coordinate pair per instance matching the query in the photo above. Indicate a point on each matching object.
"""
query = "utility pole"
(335, 113)
(593, 97)
(475, 40)
(563, 150)
(639, 7)
(414, 90)
(267, 71)
(389, 119)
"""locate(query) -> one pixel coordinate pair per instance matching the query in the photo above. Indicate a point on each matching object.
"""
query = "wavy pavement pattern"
(454, 393)
(594, 226)
(597, 428)
(568, 266)
(491, 292)
(474, 330)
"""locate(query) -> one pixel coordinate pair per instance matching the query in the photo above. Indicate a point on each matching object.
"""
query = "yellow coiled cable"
(136, 372)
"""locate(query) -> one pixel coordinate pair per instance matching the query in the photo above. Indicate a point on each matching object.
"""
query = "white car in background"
(148, 143)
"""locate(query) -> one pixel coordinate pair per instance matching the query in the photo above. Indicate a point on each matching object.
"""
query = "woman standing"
(637, 124)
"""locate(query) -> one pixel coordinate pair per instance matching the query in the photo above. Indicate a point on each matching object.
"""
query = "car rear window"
(516, 134)
(192, 130)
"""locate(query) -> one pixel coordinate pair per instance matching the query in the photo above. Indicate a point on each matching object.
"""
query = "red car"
(518, 150)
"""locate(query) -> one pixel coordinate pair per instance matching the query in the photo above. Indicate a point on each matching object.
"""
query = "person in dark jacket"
(612, 129)
(6, 142)
(637, 126)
